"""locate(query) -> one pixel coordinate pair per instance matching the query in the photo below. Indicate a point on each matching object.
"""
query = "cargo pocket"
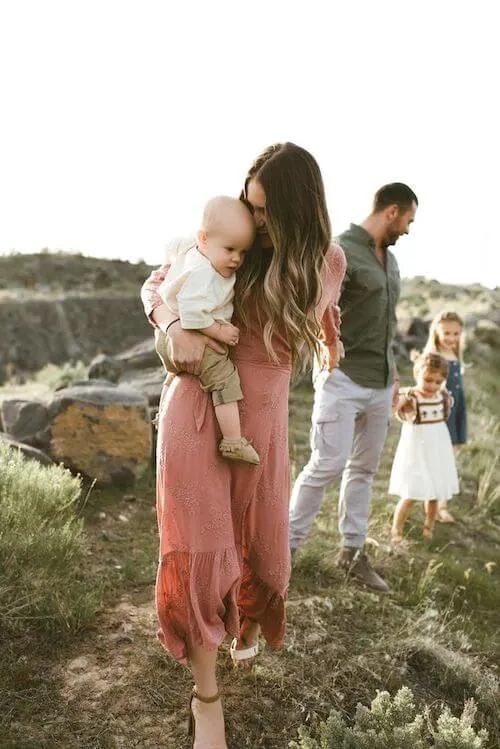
(325, 436)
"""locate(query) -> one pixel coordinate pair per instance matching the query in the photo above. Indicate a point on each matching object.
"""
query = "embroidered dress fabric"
(424, 464)
(224, 527)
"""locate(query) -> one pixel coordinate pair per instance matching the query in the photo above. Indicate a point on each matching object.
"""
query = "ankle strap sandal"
(192, 722)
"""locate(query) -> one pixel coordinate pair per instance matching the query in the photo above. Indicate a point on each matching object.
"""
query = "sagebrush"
(42, 548)
(395, 723)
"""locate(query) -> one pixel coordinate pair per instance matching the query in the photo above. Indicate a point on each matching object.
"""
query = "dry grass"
(112, 687)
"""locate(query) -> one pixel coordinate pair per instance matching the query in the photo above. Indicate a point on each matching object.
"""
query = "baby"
(198, 289)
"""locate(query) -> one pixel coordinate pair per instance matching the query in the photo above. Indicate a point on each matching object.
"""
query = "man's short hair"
(396, 193)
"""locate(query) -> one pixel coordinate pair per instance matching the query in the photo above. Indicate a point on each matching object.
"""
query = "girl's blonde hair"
(432, 344)
(282, 285)
(429, 360)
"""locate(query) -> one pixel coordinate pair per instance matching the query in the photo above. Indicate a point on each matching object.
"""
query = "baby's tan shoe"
(239, 449)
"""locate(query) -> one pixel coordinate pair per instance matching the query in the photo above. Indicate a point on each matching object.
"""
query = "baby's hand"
(229, 334)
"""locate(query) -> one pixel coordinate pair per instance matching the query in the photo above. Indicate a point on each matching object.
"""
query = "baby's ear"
(201, 237)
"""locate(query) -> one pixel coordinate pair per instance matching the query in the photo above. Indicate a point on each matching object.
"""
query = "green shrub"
(56, 377)
(395, 724)
(489, 335)
(42, 548)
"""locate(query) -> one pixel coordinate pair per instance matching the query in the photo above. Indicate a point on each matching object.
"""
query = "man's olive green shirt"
(368, 301)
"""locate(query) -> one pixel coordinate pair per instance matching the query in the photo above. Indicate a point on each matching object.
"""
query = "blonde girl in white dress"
(424, 467)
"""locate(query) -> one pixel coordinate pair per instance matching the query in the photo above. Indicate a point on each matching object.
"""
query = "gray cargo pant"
(349, 427)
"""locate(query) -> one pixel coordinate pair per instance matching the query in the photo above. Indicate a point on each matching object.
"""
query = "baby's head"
(430, 372)
(227, 232)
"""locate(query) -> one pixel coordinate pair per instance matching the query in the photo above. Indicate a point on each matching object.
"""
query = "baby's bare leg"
(233, 446)
(228, 416)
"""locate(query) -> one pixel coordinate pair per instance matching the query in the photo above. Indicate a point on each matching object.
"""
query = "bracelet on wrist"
(170, 324)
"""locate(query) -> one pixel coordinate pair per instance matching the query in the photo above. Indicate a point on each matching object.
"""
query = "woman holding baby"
(224, 557)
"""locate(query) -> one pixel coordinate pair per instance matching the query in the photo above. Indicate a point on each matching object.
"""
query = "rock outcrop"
(103, 367)
(27, 450)
(94, 427)
(23, 419)
(36, 332)
(102, 432)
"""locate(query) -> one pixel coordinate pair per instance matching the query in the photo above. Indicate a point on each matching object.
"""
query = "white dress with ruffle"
(424, 465)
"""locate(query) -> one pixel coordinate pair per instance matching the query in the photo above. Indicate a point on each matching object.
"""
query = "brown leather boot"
(357, 565)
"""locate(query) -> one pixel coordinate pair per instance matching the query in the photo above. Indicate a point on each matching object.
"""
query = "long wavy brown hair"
(283, 284)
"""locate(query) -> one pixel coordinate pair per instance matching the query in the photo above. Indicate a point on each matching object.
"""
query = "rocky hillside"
(424, 298)
(36, 332)
(60, 307)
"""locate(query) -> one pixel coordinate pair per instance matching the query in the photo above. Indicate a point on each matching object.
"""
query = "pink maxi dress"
(223, 527)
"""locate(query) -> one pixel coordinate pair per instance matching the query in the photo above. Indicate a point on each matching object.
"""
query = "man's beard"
(390, 240)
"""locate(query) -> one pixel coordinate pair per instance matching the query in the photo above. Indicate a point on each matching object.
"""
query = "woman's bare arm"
(188, 346)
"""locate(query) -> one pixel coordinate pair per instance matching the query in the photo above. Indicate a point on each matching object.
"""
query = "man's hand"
(406, 407)
(395, 395)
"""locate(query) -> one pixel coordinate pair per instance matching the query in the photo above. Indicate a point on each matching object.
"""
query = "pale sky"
(119, 118)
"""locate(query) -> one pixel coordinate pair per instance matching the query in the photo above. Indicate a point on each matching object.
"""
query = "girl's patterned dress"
(424, 464)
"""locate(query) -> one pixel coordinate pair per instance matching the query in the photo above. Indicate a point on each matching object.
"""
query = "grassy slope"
(111, 686)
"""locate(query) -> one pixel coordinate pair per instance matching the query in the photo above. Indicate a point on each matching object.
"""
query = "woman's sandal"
(192, 721)
(243, 654)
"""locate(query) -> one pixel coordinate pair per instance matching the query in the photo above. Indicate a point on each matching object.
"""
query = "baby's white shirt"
(193, 290)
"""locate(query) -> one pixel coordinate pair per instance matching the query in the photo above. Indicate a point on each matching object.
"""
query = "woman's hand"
(335, 354)
(330, 356)
(188, 346)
